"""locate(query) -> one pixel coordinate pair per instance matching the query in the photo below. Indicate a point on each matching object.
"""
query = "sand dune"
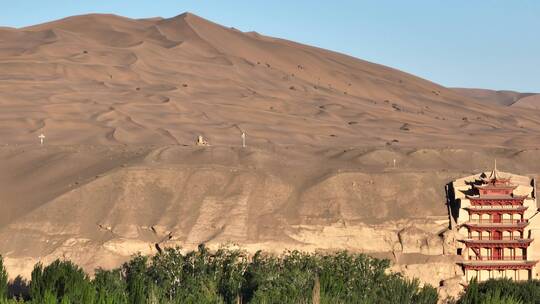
(530, 102)
(504, 98)
(122, 101)
(170, 79)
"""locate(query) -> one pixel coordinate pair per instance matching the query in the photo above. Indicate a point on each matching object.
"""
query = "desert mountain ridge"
(504, 98)
(341, 153)
(105, 79)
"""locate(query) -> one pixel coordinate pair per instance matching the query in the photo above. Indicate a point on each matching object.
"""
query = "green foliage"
(229, 267)
(288, 279)
(61, 280)
(501, 291)
(472, 294)
(495, 297)
(110, 287)
(427, 294)
(203, 291)
(11, 301)
(136, 279)
(37, 290)
(48, 298)
(230, 276)
(199, 276)
(3, 280)
(351, 278)
(527, 291)
(167, 271)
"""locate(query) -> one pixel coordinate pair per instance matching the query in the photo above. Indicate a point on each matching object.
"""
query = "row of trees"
(230, 276)
(502, 291)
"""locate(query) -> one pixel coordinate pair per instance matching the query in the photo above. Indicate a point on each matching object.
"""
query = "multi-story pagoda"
(493, 222)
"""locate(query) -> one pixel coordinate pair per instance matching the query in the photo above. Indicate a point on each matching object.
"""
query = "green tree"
(3, 280)
(135, 272)
(502, 291)
(48, 298)
(63, 279)
(229, 267)
(495, 297)
(110, 287)
(37, 290)
(428, 294)
(288, 279)
(167, 271)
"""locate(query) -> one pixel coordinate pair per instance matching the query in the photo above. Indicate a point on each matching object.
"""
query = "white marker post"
(394, 162)
(243, 140)
(41, 138)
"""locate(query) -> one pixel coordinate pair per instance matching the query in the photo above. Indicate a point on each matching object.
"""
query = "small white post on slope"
(41, 138)
(243, 139)
(394, 162)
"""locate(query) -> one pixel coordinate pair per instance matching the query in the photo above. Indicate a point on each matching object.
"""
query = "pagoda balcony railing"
(492, 258)
(499, 222)
(501, 238)
(497, 207)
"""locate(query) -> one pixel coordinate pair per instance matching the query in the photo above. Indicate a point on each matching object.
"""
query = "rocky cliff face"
(131, 200)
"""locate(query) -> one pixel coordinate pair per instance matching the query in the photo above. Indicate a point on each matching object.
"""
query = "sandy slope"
(504, 98)
(104, 79)
(530, 102)
(121, 102)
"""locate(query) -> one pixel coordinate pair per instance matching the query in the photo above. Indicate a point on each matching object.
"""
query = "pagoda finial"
(493, 175)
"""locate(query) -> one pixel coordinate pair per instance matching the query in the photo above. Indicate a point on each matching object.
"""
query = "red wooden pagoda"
(496, 242)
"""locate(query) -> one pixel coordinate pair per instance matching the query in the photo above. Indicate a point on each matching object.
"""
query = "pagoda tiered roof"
(498, 264)
(507, 243)
(496, 181)
(496, 200)
(488, 208)
(496, 190)
(496, 197)
(504, 223)
(495, 178)
(490, 186)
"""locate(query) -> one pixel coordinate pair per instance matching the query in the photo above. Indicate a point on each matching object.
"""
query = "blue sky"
(482, 43)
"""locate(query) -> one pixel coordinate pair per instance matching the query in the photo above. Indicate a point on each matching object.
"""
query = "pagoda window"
(500, 253)
(509, 253)
(485, 253)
